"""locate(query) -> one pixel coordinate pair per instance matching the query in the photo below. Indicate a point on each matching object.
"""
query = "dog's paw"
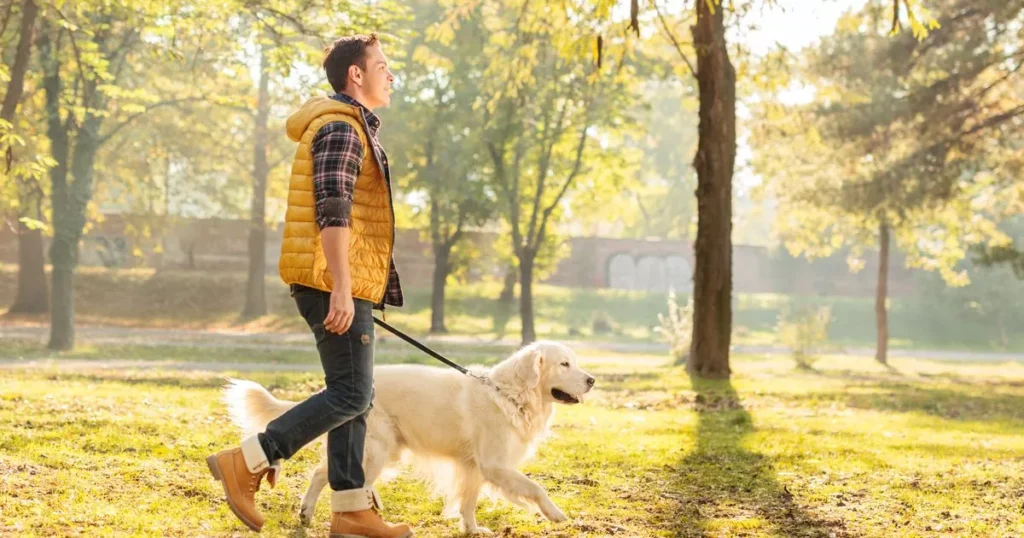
(480, 531)
(306, 515)
(555, 515)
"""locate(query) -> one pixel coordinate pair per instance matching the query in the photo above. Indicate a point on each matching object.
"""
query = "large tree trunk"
(716, 155)
(69, 205)
(255, 295)
(882, 293)
(529, 333)
(67, 199)
(442, 266)
(33, 296)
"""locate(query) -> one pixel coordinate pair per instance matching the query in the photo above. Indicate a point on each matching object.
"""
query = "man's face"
(376, 80)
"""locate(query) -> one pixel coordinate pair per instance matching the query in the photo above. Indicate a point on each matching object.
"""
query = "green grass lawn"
(850, 449)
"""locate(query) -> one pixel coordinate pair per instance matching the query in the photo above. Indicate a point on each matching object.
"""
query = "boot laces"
(254, 482)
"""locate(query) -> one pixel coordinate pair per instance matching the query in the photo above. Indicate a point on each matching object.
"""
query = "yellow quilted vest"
(302, 258)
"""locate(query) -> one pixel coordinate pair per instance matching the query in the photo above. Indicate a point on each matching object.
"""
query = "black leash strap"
(418, 345)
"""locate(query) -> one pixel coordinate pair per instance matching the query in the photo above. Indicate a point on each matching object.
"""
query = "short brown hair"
(344, 53)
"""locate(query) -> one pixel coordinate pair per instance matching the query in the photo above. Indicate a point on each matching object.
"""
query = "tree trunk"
(442, 255)
(255, 295)
(508, 289)
(21, 58)
(882, 293)
(714, 161)
(69, 204)
(32, 296)
(503, 310)
(526, 297)
(68, 199)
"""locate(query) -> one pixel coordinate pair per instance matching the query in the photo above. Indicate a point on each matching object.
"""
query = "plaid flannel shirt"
(337, 160)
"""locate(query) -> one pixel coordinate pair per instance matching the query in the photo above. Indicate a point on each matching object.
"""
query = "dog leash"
(420, 346)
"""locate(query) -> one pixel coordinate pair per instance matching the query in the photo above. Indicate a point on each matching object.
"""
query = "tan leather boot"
(355, 514)
(240, 471)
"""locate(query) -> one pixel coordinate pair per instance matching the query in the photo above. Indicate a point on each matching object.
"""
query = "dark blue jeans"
(341, 408)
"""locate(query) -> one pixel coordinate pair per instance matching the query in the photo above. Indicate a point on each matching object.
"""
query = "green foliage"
(914, 134)
(676, 327)
(804, 330)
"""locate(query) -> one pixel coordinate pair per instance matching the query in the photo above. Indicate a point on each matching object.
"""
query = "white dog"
(464, 431)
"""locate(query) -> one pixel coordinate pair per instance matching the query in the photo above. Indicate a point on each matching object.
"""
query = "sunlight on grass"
(849, 449)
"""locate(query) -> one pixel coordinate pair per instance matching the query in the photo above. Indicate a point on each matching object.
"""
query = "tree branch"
(7, 17)
(104, 138)
(565, 186)
(672, 37)
(547, 147)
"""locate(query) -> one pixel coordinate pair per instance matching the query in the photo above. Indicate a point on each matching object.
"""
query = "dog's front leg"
(317, 483)
(516, 485)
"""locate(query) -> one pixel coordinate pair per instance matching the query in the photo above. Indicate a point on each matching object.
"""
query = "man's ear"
(529, 367)
(355, 75)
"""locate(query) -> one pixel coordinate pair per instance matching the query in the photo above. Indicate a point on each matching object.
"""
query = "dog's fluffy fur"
(462, 433)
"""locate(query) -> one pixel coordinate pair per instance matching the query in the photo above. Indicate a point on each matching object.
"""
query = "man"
(337, 258)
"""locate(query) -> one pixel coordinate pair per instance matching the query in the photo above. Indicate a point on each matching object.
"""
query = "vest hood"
(313, 109)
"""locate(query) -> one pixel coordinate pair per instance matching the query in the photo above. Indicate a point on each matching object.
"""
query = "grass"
(205, 300)
(848, 449)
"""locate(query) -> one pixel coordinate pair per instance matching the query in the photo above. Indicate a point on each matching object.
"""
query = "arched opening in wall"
(621, 272)
(651, 274)
(680, 274)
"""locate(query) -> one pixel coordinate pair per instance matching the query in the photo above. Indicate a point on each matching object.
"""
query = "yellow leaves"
(425, 56)
(921, 20)
(33, 224)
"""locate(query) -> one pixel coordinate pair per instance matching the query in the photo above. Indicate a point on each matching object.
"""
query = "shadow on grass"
(961, 402)
(724, 482)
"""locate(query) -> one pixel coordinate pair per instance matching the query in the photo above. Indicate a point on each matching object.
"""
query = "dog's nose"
(591, 381)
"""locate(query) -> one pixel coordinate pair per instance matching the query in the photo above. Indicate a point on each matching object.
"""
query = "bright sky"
(796, 23)
(793, 24)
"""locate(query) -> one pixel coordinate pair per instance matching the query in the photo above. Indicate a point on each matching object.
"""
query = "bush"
(802, 330)
(677, 327)
(602, 323)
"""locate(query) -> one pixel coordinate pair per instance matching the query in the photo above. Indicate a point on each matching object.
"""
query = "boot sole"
(211, 462)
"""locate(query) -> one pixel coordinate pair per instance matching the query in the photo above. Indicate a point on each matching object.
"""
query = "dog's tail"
(251, 407)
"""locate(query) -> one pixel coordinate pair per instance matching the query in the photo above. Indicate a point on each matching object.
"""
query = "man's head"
(357, 67)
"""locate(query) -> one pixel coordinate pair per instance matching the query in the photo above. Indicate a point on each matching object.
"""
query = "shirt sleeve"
(337, 160)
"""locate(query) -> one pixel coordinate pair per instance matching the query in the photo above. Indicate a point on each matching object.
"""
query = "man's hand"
(342, 310)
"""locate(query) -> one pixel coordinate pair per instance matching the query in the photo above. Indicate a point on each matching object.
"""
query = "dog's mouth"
(564, 397)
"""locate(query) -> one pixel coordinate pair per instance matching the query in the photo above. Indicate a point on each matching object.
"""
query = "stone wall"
(593, 262)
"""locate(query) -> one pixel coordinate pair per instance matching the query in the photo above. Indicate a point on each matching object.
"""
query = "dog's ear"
(529, 368)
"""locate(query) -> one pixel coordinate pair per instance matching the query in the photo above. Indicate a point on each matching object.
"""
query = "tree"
(901, 142)
(32, 295)
(438, 156)
(92, 56)
(714, 162)
(543, 112)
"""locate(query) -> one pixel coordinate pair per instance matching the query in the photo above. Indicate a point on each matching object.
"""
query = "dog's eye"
(566, 364)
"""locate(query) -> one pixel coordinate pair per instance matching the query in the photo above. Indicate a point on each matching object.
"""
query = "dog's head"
(552, 369)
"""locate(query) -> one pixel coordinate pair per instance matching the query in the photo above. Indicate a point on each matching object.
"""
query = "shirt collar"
(371, 119)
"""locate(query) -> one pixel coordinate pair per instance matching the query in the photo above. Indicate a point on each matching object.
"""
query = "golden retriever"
(464, 432)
